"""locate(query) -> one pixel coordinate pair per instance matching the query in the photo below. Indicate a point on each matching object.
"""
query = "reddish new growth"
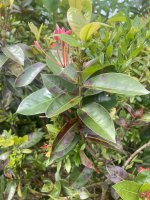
(143, 169)
(64, 48)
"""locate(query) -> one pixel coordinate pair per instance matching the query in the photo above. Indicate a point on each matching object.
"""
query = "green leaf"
(59, 155)
(35, 30)
(76, 20)
(69, 73)
(119, 17)
(3, 59)
(15, 53)
(35, 103)
(143, 177)
(96, 117)
(10, 190)
(62, 103)
(57, 85)
(56, 190)
(89, 29)
(69, 40)
(29, 74)
(64, 137)
(33, 139)
(127, 190)
(109, 51)
(51, 5)
(75, 4)
(146, 117)
(145, 187)
(87, 9)
(80, 178)
(116, 83)
(91, 70)
(52, 64)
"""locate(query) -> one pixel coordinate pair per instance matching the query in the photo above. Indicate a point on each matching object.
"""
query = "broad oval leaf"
(127, 190)
(35, 103)
(15, 53)
(33, 139)
(97, 118)
(29, 74)
(76, 20)
(65, 136)
(62, 103)
(116, 83)
(58, 155)
(57, 85)
(89, 29)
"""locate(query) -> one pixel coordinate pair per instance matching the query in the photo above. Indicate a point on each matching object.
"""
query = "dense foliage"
(74, 109)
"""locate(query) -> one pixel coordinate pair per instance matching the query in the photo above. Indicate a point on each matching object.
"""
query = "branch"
(135, 153)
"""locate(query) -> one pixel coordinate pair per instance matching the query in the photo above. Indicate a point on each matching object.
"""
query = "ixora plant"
(69, 91)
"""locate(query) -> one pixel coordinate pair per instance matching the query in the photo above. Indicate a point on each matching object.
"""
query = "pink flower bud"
(37, 45)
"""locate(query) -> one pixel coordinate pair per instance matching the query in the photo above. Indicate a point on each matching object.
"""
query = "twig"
(135, 153)
(105, 187)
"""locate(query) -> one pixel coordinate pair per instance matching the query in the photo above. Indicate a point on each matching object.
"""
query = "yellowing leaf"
(75, 4)
(88, 30)
(35, 30)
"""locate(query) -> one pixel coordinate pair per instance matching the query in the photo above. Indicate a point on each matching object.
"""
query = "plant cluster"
(91, 103)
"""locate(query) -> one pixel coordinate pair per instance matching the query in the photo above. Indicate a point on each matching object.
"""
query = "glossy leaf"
(15, 53)
(29, 74)
(76, 20)
(97, 118)
(10, 190)
(58, 155)
(33, 139)
(69, 73)
(116, 83)
(89, 29)
(52, 64)
(3, 59)
(35, 103)
(69, 40)
(127, 190)
(61, 104)
(75, 4)
(65, 136)
(57, 85)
